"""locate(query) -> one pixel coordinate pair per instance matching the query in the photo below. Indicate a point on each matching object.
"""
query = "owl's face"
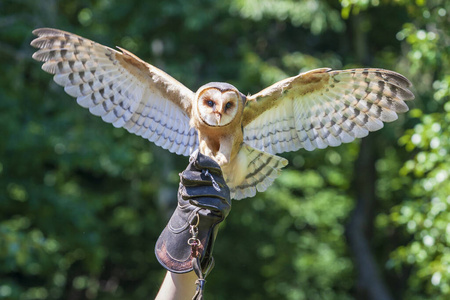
(218, 106)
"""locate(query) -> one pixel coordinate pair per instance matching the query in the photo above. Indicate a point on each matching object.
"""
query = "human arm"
(187, 242)
(177, 286)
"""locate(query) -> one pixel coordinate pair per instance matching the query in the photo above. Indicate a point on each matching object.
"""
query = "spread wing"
(120, 88)
(323, 108)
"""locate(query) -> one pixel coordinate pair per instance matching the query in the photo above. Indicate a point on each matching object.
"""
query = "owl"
(243, 134)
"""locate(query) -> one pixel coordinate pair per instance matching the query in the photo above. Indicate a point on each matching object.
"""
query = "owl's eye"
(210, 103)
(228, 105)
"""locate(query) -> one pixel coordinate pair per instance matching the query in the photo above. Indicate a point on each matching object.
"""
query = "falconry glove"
(187, 242)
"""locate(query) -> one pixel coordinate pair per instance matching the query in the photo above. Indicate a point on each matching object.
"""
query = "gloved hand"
(203, 202)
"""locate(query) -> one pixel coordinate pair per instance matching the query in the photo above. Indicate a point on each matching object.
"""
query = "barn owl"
(315, 109)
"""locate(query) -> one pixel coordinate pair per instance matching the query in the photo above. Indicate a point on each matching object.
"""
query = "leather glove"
(203, 203)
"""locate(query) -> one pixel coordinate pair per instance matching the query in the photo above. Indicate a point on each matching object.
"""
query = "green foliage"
(426, 213)
(318, 16)
(82, 203)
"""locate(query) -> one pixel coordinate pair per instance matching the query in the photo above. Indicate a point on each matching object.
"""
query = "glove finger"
(193, 178)
(205, 162)
(191, 192)
(214, 205)
(200, 161)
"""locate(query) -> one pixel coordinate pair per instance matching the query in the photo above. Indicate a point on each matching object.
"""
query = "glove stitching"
(185, 225)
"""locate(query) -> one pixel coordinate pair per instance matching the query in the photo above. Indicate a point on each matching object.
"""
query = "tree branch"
(370, 284)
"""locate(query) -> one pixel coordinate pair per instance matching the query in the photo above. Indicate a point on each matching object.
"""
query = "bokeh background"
(82, 203)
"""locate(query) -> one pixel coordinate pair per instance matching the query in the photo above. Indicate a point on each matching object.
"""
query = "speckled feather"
(120, 88)
(315, 109)
(322, 108)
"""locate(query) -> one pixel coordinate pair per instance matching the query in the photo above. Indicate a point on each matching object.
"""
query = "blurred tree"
(82, 203)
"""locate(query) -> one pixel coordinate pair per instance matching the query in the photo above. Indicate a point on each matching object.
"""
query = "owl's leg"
(204, 149)
(221, 159)
(223, 156)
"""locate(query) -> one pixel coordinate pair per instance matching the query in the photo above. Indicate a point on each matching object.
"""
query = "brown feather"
(120, 88)
(323, 108)
(315, 109)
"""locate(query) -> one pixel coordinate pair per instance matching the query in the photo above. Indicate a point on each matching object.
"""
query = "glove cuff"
(172, 249)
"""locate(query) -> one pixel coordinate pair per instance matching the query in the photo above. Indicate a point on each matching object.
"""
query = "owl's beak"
(218, 117)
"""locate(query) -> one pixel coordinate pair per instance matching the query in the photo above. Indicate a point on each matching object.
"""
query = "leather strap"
(200, 282)
(195, 244)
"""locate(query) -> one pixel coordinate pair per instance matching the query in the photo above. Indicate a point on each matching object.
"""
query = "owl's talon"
(221, 159)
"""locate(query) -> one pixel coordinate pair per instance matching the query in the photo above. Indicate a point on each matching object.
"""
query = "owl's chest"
(218, 141)
(214, 136)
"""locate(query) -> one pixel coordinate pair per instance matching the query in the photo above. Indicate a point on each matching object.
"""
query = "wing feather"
(323, 107)
(120, 88)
